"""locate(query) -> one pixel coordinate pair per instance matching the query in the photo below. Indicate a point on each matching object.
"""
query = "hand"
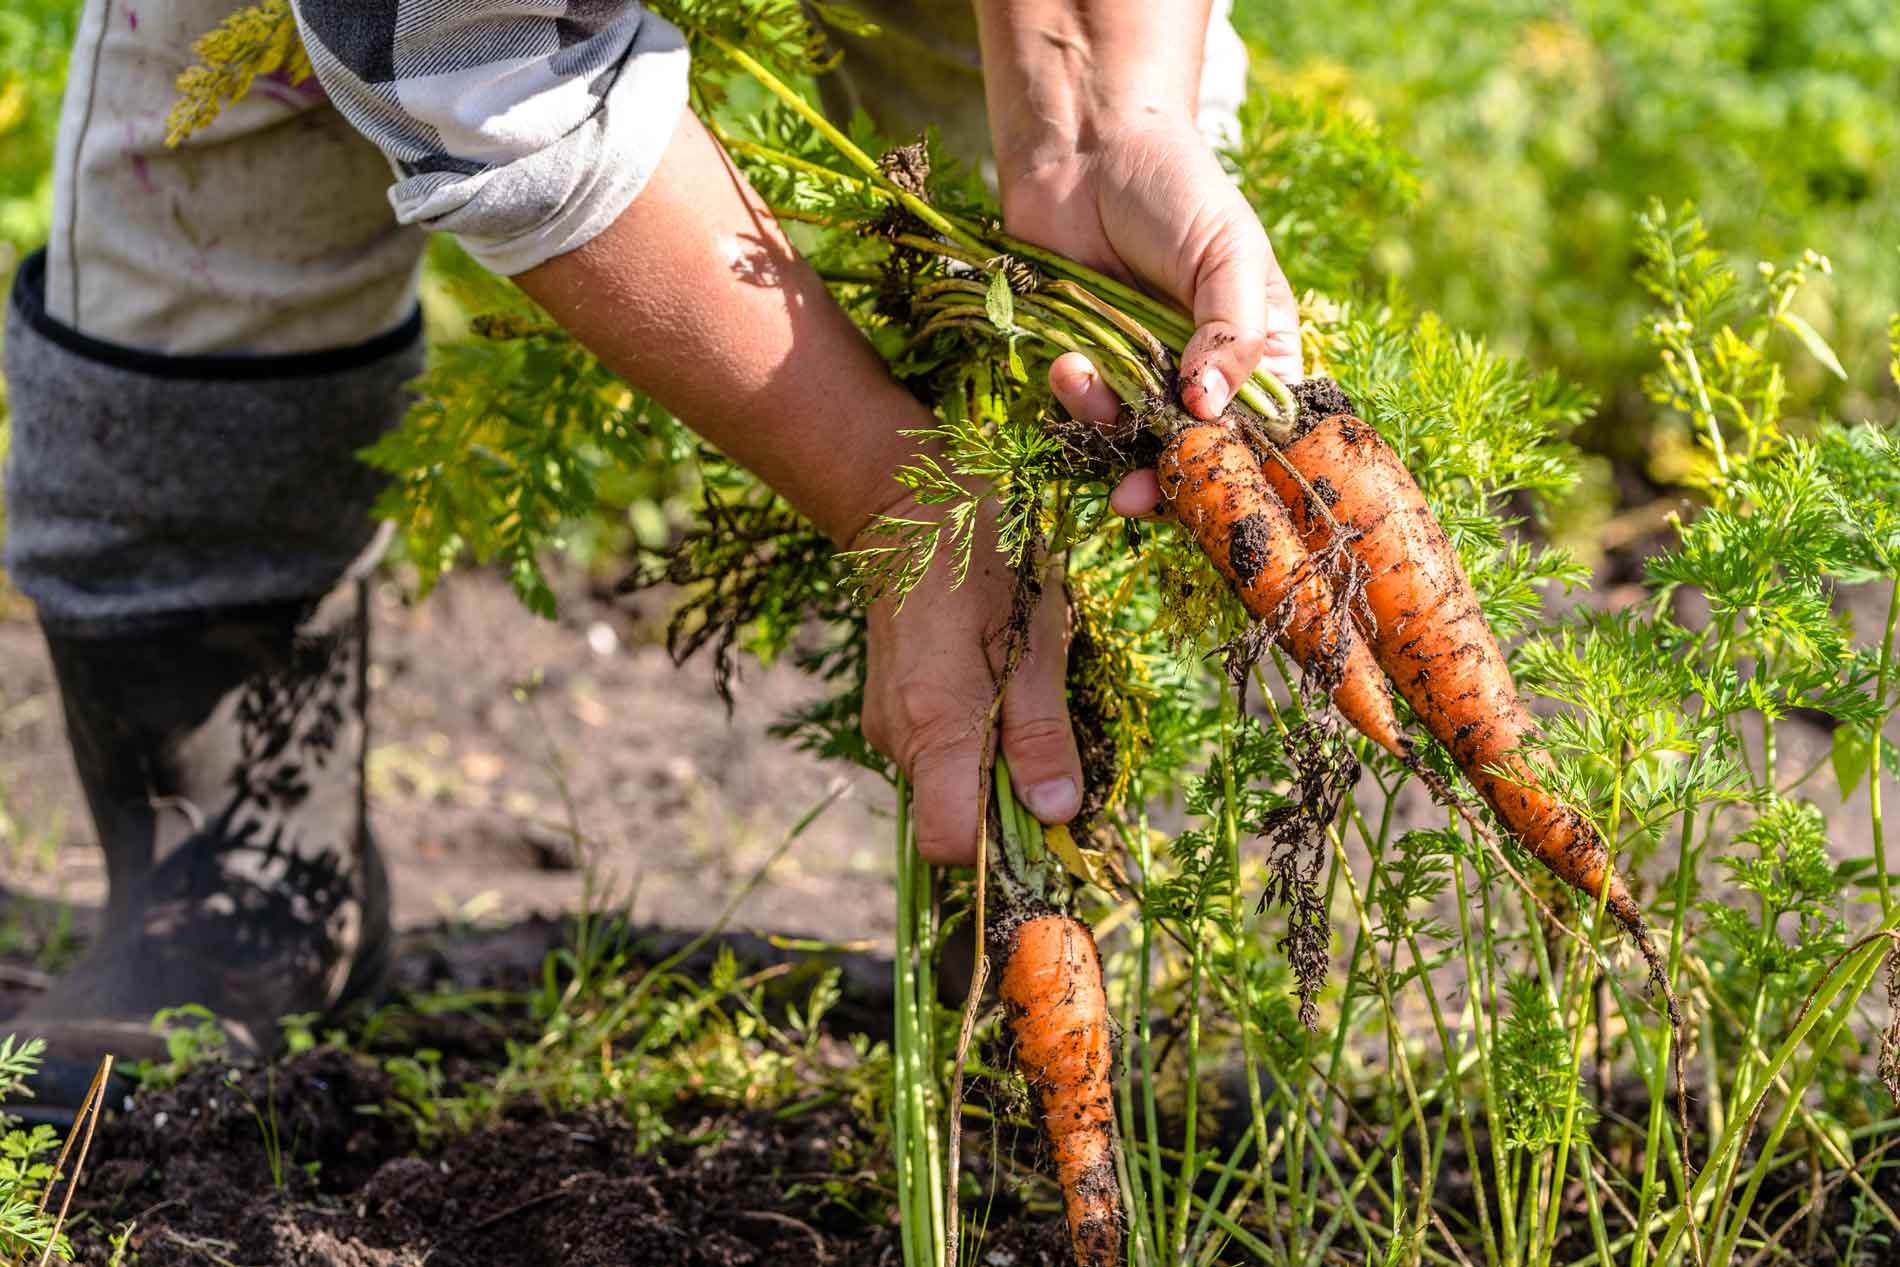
(929, 687)
(762, 363)
(1147, 201)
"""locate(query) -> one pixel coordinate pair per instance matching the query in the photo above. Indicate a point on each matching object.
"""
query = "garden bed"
(322, 1160)
(189, 1168)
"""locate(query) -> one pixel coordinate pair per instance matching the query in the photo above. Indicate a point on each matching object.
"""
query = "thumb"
(1243, 308)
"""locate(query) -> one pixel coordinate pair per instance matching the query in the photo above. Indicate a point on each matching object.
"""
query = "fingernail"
(1214, 389)
(1052, 798)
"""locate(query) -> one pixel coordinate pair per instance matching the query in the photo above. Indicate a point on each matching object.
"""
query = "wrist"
(873, 427)
(865, 488)
(894, 500)
(1061, 77)
(1038, 141)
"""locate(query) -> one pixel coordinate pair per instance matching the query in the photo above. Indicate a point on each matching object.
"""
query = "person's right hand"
(1081, 391)
(1153, 206)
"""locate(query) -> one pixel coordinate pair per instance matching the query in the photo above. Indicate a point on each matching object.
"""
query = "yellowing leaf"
(1087, 865)
(259, 40)
(846, 19)
(13, 102)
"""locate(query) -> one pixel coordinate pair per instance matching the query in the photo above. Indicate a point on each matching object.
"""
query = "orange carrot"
(1433, 642)
(1058, 1016)
(1213, 481)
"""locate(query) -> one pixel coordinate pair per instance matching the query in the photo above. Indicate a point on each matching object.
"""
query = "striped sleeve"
(524, 127)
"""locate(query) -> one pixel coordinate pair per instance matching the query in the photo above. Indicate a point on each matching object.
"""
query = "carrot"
(1214, 483)
(1058, 1016)
(1432, 640)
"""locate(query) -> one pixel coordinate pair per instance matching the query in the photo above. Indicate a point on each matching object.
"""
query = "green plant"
(604, 1027)
(26, 1168)
(1538, 134)
(121, 1242)
(1412, 1020)
(917, 1060)
(269, 1129)
(194, 1040)
(34, 35)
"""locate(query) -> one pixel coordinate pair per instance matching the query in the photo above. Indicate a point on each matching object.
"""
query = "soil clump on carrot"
(1214, 482)
(1320, 398)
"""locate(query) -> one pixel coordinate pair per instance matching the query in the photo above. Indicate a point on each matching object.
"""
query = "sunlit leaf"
(1811, 340)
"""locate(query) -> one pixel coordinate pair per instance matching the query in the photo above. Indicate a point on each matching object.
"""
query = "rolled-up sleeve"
(524, 127)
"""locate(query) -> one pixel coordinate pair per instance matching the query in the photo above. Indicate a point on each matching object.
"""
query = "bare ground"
(480, 780)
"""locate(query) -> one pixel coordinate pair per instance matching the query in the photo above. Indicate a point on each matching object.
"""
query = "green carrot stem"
(1175, 326)
(838, 140)
(1105, 338)
(947, 321)
(1879, 729)
(1158, 315)
(972, 258)
(1108, 338)
(780, 158)
(1127, 324)
(959, 315)
(807, 217)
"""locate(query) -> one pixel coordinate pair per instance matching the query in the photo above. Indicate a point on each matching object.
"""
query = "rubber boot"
(222, 758)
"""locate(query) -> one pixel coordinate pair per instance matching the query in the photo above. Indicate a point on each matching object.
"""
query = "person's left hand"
(931, 680)
(1146, 200)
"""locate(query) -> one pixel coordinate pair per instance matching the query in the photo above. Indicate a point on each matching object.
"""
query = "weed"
(194, 1040)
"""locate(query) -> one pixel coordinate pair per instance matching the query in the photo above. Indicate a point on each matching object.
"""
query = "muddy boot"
(222, 759)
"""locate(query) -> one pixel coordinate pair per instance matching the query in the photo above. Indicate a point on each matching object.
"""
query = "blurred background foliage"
(1484, 159)
(34, 35)
(1538, 131)
(33, 39)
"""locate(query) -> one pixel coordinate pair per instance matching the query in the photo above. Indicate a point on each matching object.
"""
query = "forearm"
(1057, 71)
(695, 296)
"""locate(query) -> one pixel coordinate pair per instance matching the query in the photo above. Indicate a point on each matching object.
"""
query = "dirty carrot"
(1428, 634)
(1210, 477)
(1058, 1018)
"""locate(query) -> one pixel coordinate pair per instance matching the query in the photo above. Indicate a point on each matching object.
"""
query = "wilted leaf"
(1086, 865)
(1016, 370)
(846, 19)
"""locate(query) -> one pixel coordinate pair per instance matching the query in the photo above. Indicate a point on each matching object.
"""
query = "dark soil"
(189, 1166)
(1321, 398)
